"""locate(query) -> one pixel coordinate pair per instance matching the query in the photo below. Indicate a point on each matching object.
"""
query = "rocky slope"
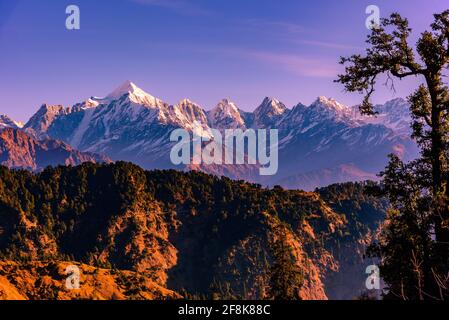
(189, 233)
(46, 280)
(20, 150)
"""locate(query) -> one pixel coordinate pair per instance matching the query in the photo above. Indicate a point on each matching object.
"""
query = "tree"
(286, 278)
(390, 54)
(405, 243)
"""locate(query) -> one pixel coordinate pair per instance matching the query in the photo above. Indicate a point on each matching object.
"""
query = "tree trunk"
(439, 179)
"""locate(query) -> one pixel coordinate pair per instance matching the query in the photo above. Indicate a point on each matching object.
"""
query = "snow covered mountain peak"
(124, 88)
(39, 123)
(394, 114)
(134, 94)
(186, 102)
(397, 106)
(186, 105)
(271, 106)
(227, 106)
(330, 103)
(330, 109)
(268, 112)
(188, 112)
(226, 115)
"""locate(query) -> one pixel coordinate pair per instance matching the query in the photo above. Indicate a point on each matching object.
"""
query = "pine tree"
(286, 278)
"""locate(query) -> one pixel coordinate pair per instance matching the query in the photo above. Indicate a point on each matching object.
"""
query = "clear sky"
(204, 50)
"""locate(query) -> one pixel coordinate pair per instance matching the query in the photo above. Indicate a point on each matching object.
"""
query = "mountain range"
(323, 143)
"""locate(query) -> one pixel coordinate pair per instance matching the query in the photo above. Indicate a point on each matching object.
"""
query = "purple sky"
(204, 50)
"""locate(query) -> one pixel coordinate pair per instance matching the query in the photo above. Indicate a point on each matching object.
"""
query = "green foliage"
(363, 210)
(286, 277)
(414, 265)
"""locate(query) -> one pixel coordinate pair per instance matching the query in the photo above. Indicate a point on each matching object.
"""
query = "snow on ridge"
(331, 103)
(7, 122)
(226, 115)
(82, 128)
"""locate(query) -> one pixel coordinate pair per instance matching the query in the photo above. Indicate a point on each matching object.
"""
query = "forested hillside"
(173, 234)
